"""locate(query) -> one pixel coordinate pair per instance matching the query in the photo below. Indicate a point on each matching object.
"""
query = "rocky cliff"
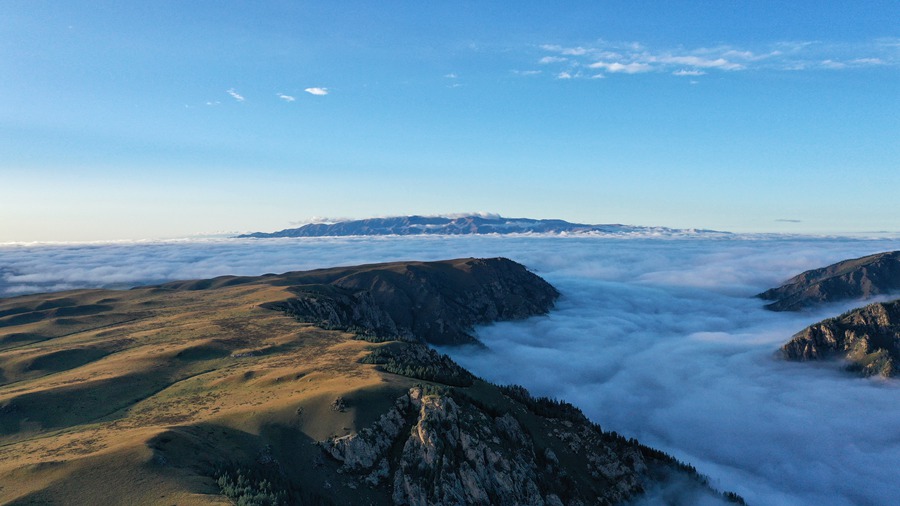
(868, 339)
(434, 302)
(492, 446)
(858, 278)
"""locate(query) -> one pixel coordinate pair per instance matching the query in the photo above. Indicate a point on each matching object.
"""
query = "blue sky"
(161, 119)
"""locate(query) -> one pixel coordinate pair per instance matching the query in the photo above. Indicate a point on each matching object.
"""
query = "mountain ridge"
(863, 277)
(470, 224)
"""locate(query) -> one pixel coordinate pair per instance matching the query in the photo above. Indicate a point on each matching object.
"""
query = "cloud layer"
(571, 62)
(656, 339)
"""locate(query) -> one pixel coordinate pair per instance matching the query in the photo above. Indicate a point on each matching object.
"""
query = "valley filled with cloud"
(658, 339)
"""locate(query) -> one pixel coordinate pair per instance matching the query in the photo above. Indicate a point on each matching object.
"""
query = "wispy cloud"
(868, 61)
(526, 72)
(286, 98)
(235, 95)
(451, 75)
(574, 51)
(699, 62)
(627, 68)
(552, 59)
(831, 64)
(317, 91)
(638, 58)
(685, 72)
(571, 51)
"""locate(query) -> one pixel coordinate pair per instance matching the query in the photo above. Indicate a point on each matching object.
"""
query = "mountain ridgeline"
(859, 278)
(437, 303)
(465, 225)
(866, 339)
(313, 387)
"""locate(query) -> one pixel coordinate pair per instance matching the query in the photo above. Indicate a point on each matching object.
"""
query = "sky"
(135, 120)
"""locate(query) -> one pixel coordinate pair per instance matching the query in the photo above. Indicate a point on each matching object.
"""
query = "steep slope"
(868, 339)
(433, 302)
(858, 278)
(199, 392)
(460, 225)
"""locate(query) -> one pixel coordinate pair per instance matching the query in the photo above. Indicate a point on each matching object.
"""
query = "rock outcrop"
(434, 302)
(859, 278)
(868, 339)
(447, 448)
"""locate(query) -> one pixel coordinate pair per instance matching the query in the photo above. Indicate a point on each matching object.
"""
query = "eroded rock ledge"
(867, 338)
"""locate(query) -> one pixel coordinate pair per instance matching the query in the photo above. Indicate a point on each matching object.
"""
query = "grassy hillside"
(196, 393)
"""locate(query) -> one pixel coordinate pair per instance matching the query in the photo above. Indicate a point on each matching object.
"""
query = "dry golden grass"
(133, 397)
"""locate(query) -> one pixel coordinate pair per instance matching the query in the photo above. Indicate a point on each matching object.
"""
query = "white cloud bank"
(317, 91)
(637, 58)
(656, 339)
(286, 98)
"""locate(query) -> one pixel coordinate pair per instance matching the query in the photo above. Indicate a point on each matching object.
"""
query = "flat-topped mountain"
(288, 389)
(462, 225)
(868, 338)
(859, 278)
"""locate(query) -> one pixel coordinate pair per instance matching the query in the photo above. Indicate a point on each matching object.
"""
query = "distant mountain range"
(471, 224)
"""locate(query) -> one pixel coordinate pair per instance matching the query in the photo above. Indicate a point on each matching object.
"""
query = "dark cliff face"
(850, 279)
(434, 302)
(867, 338)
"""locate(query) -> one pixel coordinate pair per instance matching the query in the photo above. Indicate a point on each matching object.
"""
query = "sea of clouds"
(658, 339)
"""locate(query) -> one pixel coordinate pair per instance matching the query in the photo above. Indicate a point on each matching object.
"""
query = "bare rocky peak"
(868, 339)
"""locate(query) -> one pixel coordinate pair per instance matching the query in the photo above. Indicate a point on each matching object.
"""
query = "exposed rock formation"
(858, 278)
(446, 448)
(867, 338)
(435, 302)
